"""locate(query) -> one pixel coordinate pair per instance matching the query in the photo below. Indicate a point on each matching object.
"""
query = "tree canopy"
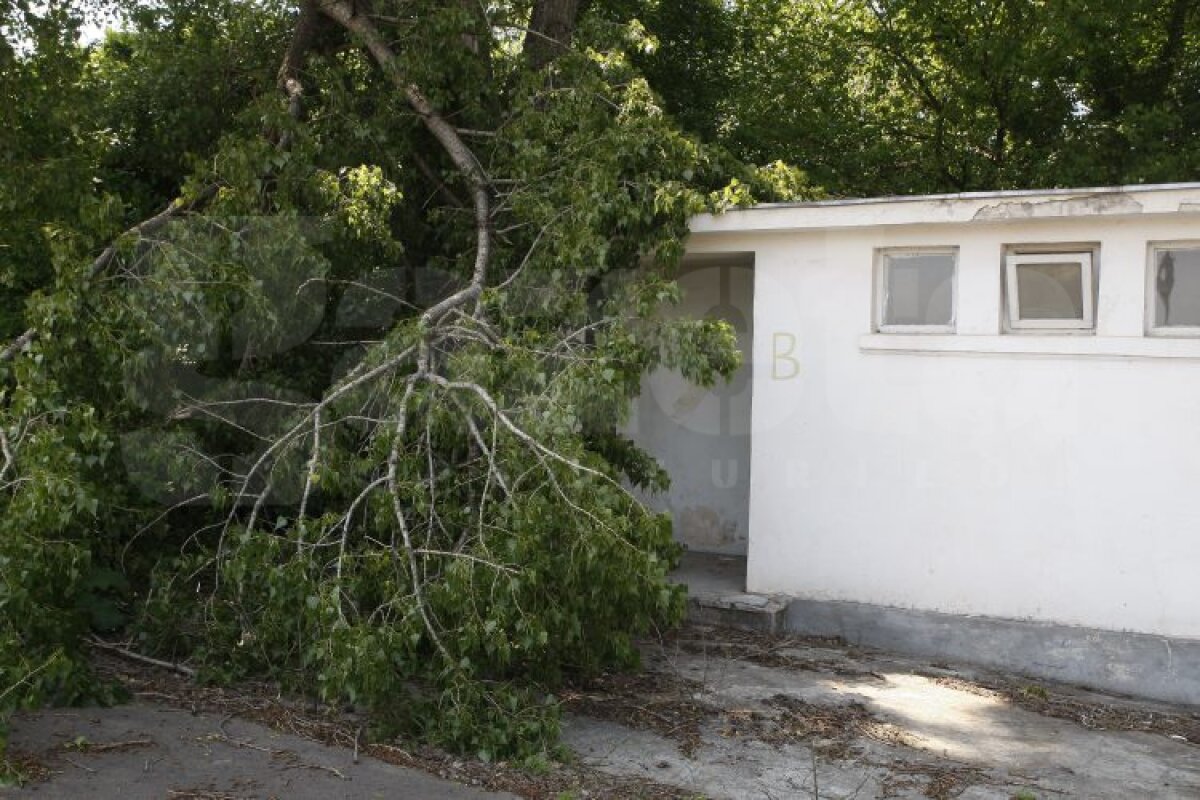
(899, 96)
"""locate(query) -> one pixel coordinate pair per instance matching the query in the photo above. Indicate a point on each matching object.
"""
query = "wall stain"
(1083, 205)
(700, 527)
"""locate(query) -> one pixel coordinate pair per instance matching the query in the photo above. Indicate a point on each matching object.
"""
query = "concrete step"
(742, 611)
(717, 594)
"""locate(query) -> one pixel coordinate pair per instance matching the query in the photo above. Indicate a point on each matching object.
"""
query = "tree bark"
(550, 30)
(1158, 78)
(293, 61)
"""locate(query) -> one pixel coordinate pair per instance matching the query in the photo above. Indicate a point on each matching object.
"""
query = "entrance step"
(747, 612)
(717, 594)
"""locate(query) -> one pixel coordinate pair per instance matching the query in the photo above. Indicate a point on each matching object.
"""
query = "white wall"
(702, 436)
(1045, 477)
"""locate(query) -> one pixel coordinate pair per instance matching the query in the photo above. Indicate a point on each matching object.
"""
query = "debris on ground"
(656, 701)
(1096, 716)
(829, 729)
(263, 703)
(935, 781)
(814, 717)
(724, 714)
(837, 657)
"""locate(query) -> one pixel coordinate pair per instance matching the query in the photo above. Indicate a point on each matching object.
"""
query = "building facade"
(967, 426)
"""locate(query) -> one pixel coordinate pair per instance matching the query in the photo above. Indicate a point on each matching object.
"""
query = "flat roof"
(991, 206)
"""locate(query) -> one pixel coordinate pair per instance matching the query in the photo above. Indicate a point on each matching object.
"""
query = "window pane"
(920, 289)
(1177, 287)
(1050, 291)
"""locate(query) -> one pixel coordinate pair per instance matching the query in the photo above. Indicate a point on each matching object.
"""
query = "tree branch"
(447, 136)
(97, 642)
(393, 483)
(101, 262)
(307, 24)
(7, 453)
(288, 81)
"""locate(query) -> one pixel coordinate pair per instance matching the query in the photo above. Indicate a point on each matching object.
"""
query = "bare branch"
(19, 344)
(6, 451)
(125, 652)
(475, 559)
(310, 477)
(393, 470)
(442, 189)
(347, 521)
(354, 380)
(488, 453)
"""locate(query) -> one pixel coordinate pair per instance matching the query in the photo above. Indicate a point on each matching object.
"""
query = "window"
(915, 290)
(1174, 289)
(1050, 290)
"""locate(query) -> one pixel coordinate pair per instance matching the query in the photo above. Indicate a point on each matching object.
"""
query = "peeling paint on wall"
(1084, 205)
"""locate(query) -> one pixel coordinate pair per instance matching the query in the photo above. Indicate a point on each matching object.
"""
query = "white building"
(968, 425)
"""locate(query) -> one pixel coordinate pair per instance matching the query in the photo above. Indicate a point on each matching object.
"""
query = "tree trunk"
(1158, 78)
(550, 30)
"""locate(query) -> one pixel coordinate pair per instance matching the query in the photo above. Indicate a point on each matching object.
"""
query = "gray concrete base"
(1142, 665)
(747, 612)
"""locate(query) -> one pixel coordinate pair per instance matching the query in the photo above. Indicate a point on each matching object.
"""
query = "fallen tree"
(347, 413)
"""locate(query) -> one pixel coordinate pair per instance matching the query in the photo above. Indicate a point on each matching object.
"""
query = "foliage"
(247, 429)
(898, 96)
(47, 162)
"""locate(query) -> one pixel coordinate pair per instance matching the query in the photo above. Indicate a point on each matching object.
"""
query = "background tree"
(897, 96)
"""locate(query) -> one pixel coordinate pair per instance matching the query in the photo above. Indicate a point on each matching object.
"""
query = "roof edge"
(981, 195)
(965, 207)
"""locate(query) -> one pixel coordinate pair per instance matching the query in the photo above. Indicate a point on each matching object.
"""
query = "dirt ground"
(715, 714)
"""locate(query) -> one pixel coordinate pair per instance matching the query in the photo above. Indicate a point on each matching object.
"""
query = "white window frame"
(882, 254)
(1152, 326)
(1086, 261)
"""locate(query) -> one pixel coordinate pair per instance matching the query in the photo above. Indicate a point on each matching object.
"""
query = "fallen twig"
(124, 652)
(111, 746)
(289, 757)
(77, 765)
